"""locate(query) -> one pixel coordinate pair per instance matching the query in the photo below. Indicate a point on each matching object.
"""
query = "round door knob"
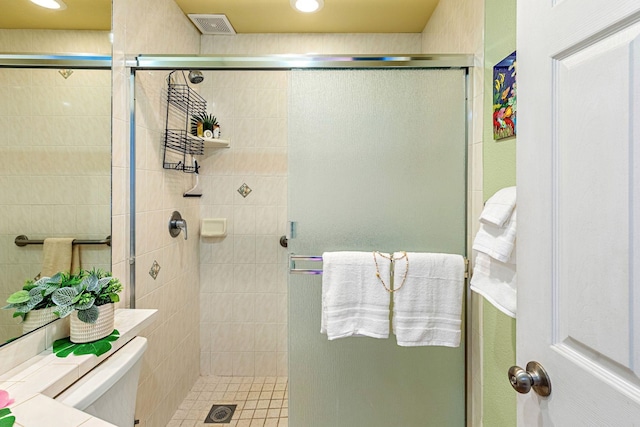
(535, 377)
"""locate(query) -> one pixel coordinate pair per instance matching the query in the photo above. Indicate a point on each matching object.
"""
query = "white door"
(578, 177)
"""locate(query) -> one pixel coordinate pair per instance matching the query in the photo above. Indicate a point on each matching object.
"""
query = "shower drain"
(220, 414)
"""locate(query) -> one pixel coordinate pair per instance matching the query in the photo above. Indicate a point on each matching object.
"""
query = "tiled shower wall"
(243, 313)
(55, 157)
(243, 326)
(171, 362)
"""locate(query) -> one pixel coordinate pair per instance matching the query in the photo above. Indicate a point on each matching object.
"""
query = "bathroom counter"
(34, 383)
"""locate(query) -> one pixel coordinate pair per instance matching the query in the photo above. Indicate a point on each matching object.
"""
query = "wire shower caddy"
(182, 103)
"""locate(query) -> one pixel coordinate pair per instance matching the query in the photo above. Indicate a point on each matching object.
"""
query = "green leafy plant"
(84, 294)
(208, 121)
(84, 291)
(36, 295)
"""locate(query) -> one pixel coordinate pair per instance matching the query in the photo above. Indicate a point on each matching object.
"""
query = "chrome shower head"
(196, 76)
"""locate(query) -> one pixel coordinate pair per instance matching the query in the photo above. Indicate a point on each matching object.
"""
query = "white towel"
(496, 282)
(497, 210)
(427, 310)
(354, 302)
(497, 242)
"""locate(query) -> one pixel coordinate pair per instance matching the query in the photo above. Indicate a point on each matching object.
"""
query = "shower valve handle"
(177, 224)
(182, 225)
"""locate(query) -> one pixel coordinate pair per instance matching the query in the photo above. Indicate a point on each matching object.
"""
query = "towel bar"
(23, 240)
(293, 270)
(292, 264)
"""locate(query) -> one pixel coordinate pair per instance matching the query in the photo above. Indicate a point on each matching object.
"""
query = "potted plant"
(206, 121)
(90, 302)
(34, 303)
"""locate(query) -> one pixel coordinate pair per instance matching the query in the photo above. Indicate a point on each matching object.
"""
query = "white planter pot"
(87, 332)
(37, 318)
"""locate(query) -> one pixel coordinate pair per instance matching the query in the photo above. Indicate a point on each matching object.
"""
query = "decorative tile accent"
(244, 190)
(65, 73)
(155, 269)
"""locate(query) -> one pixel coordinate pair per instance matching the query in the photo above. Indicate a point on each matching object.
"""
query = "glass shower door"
(377, 161)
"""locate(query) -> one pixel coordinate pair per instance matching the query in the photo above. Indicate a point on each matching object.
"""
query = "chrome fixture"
(177, 224)
(23, 240)
(196, 76)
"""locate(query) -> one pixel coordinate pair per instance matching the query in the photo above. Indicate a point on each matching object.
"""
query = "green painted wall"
(499, 158)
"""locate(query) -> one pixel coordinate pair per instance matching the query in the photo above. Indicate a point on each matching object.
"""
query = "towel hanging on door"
(353, 302)
(427, 292)
(427, 310)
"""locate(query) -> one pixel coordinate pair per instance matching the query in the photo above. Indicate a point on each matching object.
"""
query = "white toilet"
(109, 391)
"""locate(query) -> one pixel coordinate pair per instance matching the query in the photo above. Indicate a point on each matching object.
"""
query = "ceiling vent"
(212, 24)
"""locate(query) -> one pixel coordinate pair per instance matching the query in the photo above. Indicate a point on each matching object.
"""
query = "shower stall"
(377, 160)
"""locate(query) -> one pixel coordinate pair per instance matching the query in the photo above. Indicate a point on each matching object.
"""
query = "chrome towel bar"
(23, 240)
(292, 264)
(293, 270)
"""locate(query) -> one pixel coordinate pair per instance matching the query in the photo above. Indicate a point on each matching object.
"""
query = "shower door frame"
(152, 62)
(290, 62)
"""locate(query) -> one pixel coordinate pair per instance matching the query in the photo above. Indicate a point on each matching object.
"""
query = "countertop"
(34, 383)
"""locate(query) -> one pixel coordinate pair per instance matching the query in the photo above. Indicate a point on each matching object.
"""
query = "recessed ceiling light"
(51, 4)
(306, 6)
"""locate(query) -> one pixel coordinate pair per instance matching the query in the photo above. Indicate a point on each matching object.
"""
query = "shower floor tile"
(261, 402)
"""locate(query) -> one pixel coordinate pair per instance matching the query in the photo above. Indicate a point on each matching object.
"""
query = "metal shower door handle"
(535, 377)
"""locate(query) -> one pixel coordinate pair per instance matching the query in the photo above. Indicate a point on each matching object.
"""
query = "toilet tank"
(109, 391)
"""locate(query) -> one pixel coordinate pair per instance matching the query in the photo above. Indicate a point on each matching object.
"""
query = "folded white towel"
(497, 242)
(497, 210)
(354, 302)
(495, 281)
(427, 310)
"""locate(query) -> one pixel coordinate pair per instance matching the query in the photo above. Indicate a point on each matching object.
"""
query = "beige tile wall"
(55, 157)
(171, 363)
(243, 312)
(457, 26)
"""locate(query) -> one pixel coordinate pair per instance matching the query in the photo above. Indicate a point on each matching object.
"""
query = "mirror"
(55, 142)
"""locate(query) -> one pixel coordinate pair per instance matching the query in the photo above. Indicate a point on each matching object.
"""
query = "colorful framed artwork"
(504, 98)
